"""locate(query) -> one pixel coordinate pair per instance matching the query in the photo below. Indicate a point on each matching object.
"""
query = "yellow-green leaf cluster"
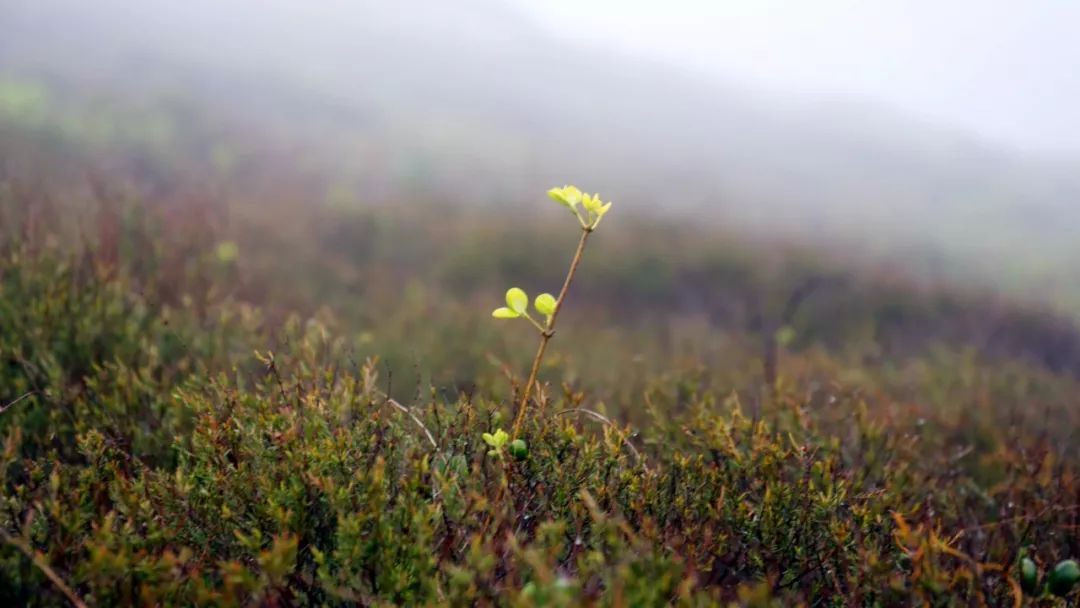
(594, 207)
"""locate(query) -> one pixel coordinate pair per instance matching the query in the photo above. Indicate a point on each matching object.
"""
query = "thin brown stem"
(39, 560)
(546, 335)
(4, 408)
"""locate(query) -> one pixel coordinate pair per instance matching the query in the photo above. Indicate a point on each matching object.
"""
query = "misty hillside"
(422, 94)
(278, 323)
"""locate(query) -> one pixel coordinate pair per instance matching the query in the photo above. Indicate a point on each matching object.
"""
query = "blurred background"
(914, 163)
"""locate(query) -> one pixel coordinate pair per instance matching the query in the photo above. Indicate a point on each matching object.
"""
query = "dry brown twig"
(13, 403)
(38, 560)
(431, 438)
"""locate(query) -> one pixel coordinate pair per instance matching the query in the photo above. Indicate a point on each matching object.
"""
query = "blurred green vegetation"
(217, 390)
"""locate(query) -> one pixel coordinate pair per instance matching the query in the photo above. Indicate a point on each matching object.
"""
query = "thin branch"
(549, 331)
(418, 422)
(6, 407)
(536, 324)
(39, 560)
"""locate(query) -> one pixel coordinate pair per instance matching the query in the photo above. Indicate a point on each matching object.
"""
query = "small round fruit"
(1063, 578)
(1029, 576)
(518, 449)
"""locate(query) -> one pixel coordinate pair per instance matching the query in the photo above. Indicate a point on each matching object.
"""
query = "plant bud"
(1063, 578)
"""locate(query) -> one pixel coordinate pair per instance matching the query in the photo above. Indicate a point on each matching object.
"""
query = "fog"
(1002, 70)
(910, 124)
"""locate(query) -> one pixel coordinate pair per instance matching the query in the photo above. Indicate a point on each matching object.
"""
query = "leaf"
(1063, 578)
(545, 304)
(591, 203)
(517, 300)
(568, 196)
(597, 210)
(498, 439)
(504, 313)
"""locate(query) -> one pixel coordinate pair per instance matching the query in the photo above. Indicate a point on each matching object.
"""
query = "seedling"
(496, 440)
(589, 211)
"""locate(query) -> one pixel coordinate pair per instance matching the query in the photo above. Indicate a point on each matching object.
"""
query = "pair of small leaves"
(571, 196)
(517, 305)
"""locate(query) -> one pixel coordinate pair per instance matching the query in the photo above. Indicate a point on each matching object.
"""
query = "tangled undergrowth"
(223, 397)
(194, 450)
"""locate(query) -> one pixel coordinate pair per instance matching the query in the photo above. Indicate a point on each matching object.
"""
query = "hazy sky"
(1005, 69)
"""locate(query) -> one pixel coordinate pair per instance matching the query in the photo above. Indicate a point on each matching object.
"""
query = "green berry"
(1063, 578)
(518, 449)
(1029, 576)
